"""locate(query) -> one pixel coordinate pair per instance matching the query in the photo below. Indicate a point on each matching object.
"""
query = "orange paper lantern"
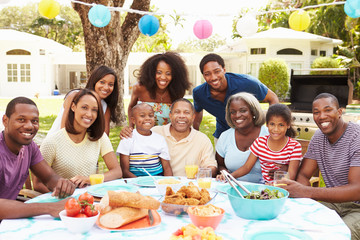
(299, 20)
(49, 8)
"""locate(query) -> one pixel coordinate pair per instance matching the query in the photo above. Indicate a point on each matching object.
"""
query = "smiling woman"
(73, 151)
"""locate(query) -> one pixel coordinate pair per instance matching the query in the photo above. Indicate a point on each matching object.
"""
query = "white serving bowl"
(78, 225)
(162, 187)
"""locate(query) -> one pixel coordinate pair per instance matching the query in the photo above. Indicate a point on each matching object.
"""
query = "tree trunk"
(111, 45)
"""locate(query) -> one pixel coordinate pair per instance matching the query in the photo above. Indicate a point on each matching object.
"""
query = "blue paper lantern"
(149, 25)
(352, 8)
(99, 16)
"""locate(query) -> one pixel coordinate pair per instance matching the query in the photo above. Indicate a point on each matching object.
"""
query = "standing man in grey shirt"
(335, 150)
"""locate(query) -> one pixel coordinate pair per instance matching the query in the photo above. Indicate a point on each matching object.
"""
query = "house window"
(255, 51)
(289, 51)
(18, 72)
(314, 52)
(323, 53)
(254, 69)
(18, 52)
(12, 72)
(42, 51)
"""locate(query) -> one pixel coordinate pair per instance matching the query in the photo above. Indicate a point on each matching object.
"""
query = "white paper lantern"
(247, 25)
(4, 1)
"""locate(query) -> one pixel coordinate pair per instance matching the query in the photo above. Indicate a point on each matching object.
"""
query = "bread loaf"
(129, 199)
(121, 216)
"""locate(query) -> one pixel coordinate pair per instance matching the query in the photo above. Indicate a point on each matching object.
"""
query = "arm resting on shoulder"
(198, 119)
(107, 117)
(271, 97)
(136, 91)
(10, 209)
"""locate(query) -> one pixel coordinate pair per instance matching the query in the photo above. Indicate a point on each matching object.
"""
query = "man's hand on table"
(296, 190)
(64, 188)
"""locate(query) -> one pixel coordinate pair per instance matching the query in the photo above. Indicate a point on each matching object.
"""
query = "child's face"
(143, 118)
(277, 127)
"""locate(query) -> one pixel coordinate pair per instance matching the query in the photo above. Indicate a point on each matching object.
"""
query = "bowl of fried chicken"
(177, 203)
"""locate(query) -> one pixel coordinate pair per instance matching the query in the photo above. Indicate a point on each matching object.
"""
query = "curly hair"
(283, 111)
(112, 99)
(179, 75)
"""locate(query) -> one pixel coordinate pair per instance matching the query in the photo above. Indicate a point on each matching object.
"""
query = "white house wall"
(41, 74)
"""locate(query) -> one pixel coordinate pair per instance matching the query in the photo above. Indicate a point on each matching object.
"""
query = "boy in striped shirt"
(145, 149)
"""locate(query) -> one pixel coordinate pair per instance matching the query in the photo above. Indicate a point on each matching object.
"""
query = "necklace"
(161, 96)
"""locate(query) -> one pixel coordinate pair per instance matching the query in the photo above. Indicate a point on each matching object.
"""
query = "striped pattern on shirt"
(150, 162)
(334, 160)
(267, 157)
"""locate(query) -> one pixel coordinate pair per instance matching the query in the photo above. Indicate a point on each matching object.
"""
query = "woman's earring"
(254, 117)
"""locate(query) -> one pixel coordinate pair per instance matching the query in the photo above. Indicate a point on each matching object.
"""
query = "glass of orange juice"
(97, 177)
(204, 178)
(191, 171)
(278, 175)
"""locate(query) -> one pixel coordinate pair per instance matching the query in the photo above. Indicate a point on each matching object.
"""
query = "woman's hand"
(80, 181)
(220, 178)
(126, 132)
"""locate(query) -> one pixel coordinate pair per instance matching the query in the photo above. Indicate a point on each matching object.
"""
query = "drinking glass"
(204, 178)
(278, 175)
(97, 177)
(191, 171)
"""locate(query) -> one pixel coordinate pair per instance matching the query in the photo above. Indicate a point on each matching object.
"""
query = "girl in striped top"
(276, 149)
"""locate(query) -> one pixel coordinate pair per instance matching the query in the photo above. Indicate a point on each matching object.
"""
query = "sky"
(219, 12)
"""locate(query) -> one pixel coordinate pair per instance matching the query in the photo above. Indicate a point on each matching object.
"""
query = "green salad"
(265, 194)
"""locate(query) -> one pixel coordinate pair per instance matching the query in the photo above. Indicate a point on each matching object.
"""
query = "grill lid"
(304, 88)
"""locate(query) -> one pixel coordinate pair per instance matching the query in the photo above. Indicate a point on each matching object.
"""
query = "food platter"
(47, 198)
(146, 181)
(143, 223)
(276, 233)
(175, 209)
(100, 190)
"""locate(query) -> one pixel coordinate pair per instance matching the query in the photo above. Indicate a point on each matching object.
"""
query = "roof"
(286, 33)
(13, 35)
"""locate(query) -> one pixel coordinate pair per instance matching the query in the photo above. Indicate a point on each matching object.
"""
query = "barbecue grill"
(305, 87)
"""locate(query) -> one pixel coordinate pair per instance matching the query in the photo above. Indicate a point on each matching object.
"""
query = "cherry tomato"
(178, 232)
(72, 207)
(86, 198)
(90, 211)
(81, 215)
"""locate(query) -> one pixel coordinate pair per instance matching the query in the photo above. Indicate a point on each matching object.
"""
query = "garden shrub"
(326, 62)
(274, 74)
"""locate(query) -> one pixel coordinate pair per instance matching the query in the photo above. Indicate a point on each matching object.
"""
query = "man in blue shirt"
(219, 86)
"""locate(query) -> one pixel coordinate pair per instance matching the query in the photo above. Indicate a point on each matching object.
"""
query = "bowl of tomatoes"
(80, 214)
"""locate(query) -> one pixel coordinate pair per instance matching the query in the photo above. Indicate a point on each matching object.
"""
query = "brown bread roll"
(129, 199)
(121, 216)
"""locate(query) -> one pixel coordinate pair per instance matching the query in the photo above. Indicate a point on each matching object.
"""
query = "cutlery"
(231, 179)
(151, 217)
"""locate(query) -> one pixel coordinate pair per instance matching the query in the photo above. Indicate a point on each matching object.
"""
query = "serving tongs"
(229, 178)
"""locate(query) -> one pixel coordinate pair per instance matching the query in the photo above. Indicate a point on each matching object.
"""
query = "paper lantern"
(49, 8)
(149, 25)
(4, 1)
(352, 8)
(203, 29)
(299, 20)
(99, 16)
(247, 25)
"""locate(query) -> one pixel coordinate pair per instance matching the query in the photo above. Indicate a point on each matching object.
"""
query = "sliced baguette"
(121, 216)
(129, 199)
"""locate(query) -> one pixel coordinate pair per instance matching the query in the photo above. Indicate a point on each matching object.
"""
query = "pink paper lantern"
(202, 29)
